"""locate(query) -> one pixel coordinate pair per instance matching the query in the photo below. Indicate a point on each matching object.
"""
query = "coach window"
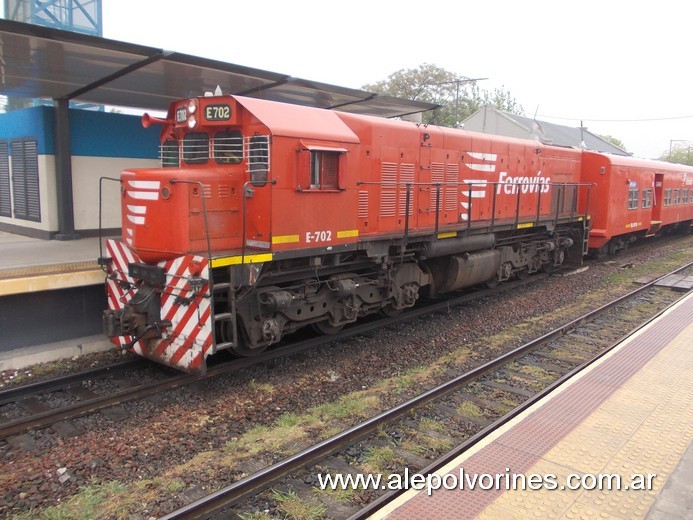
(228, 147)
(633, 199)
(684, 196)
(667, 197)
(676, 196)
(646, 198)
(196, 148)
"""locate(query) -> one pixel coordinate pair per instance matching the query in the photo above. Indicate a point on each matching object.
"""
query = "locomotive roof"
(41, 62)
(297, 121)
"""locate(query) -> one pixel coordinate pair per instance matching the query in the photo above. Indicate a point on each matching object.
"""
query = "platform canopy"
(40, 62)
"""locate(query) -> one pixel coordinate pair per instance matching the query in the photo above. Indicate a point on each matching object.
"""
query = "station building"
(102, 144)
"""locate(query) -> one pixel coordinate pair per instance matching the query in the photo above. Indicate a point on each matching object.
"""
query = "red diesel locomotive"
(267, 217)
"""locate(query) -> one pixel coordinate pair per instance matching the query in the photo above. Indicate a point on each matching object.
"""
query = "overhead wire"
(614, 120)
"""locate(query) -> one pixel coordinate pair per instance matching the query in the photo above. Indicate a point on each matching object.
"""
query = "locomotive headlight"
(192, 121)
(192, 106)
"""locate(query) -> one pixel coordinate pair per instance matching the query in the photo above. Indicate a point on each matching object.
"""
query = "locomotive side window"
(667, 197)
(324, 170)
(228, 147)
(646, 198)
(633, 199)
(169, 154)
(258, 159)
(196, 148)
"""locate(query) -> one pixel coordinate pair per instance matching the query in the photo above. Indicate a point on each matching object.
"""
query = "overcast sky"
(624, 67)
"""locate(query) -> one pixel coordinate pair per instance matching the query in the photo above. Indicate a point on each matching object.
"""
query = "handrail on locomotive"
(439, 208)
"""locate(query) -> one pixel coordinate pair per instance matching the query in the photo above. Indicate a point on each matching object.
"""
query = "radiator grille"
(388, 191)
(363, 204)
(406, 175)
(451, 179)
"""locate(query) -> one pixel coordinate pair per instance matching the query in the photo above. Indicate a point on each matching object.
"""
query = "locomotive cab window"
(169, 154)
(324, 170)
(228, 147)
(633, 199)
(320, 167)
(196, 148)
(258, 159)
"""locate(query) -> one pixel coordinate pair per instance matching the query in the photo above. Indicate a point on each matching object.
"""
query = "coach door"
(658, 201)
(657, 204)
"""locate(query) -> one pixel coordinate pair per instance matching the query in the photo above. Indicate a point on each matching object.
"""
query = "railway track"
(53, 402)
(457, 413)
(29, 407)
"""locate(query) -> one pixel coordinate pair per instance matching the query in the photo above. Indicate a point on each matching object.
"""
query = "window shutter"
(25, 180)
(5, 194)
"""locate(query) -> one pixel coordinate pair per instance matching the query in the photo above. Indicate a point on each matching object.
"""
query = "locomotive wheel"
(492, 283)
(522, 274)
(243, 350)
(548, 268)
(324, 327)
(390, 311)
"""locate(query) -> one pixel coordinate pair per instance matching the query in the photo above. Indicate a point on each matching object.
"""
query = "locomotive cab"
(194, 202)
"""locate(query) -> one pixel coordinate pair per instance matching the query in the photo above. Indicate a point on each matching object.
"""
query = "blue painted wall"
(30, 122)
(95, 134)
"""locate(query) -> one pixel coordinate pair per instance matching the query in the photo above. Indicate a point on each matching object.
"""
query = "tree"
(459, 96)
(501, 99)
(614, 140)
(681, 153)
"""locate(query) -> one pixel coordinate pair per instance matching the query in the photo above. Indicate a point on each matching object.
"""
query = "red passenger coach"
(637, 198)
(265, 218)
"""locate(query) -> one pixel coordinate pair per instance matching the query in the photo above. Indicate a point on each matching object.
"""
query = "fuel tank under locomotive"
(450, 273)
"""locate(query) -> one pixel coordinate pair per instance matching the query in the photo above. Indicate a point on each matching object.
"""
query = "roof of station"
(40, 62)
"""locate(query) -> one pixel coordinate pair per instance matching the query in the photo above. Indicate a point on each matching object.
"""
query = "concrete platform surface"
(21, 358)
(30, 265)
(18, 252)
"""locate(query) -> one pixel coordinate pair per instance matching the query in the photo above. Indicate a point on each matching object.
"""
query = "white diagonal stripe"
(483, 156)
(145, 185)
(139, 210)
(144, 195)
(482, 167)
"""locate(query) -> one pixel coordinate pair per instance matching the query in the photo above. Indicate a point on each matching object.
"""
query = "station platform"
(31, 264)
(628, 414)
(57, 284)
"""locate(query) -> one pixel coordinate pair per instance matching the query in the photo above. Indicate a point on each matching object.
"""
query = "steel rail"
(232, 494)
(17, 393)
